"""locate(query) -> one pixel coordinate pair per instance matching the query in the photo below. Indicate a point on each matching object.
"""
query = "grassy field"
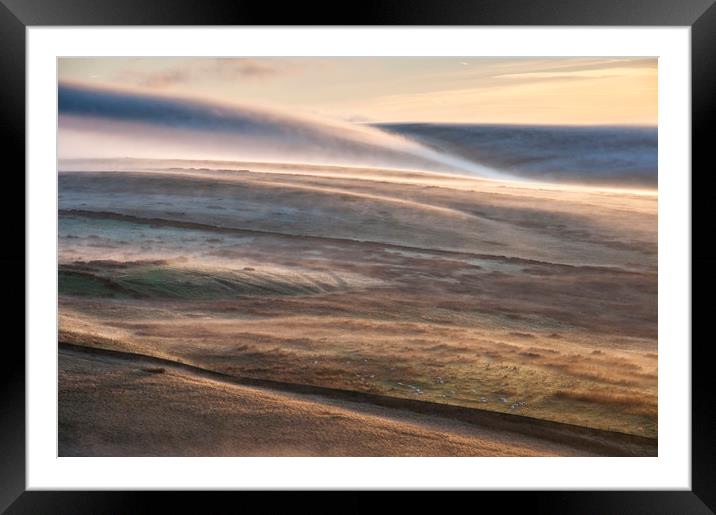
(509, 297)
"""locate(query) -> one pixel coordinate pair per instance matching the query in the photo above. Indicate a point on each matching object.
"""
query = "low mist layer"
(103, 123)
(97, 123)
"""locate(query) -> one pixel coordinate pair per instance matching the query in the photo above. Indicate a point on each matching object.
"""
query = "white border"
(670, 470)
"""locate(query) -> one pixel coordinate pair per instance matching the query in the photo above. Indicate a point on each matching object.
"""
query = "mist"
(97, 123)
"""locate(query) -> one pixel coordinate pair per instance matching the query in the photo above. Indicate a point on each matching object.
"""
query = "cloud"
(232, 68)
(508, 72)
(164, 78)
(203, 70)
(586, 70)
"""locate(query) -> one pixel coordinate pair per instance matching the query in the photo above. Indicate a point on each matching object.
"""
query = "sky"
(545, 91)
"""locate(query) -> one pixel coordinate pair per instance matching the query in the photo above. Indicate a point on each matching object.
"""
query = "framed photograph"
(423, 247)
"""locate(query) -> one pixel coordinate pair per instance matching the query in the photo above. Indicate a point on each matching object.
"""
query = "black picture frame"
(17, 15)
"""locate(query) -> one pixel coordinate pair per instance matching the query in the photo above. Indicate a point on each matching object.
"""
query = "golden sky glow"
(566, 91)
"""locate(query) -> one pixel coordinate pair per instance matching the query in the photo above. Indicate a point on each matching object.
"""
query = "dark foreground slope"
(121, 404)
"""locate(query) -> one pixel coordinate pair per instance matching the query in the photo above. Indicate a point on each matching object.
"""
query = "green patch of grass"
(164, 281)
(88, 285)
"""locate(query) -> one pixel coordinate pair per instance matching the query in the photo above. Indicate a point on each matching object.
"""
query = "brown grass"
(633, 403)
